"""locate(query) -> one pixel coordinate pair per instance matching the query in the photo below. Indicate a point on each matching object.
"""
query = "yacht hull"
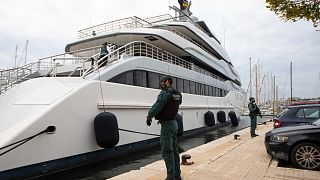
(72, 108)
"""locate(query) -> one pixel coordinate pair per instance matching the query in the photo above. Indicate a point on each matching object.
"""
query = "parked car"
(298, 144)
(297, 115)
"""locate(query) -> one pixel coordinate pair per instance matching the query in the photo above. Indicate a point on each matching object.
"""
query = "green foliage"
(294, 10)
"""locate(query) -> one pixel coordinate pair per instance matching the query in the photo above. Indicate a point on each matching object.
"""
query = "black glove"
(149, 120)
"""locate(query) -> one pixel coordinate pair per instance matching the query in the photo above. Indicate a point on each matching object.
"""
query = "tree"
(294, 10)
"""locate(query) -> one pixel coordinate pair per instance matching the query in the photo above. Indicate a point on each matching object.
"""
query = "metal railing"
(161, 19)
(129, 23)
(140, 48)
(125, 23)
(10, 77)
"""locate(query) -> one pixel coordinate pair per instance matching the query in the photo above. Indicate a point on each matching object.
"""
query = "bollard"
(237, 136)
(184, 159)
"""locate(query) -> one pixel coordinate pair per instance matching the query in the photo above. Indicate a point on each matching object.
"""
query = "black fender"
(221, 115)
(209, 119)
(233, 118)
(106, 130)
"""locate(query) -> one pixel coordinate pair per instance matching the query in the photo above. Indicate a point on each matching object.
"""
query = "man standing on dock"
(254, 112)
(165, 109)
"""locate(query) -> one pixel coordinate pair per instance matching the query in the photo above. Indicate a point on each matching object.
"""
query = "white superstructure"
(69, 90)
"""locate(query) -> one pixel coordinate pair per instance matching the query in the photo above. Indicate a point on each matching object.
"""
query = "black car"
(297, 115)
(298, 144)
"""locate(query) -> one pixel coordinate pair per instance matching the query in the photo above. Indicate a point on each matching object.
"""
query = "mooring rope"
(21, 142)
(137, 132)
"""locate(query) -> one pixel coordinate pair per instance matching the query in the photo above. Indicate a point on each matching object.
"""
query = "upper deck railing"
(140, 48)
(129, 23)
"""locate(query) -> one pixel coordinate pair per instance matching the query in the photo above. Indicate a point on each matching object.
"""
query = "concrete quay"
(227, 159)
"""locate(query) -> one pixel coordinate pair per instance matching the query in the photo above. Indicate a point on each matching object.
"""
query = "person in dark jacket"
(165, 109)
(254, 112)
(185, 9)
(104, 50)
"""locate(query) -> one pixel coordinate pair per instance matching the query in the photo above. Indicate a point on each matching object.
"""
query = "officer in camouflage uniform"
(165, 109)
(254, 112)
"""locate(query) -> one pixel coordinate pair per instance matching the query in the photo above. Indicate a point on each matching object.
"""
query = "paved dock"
(229, 159)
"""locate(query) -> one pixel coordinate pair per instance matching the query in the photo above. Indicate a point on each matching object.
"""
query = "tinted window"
(283, 113)
(198, 88)
(186, 86)
(202, 89)
(311, 113)
(192, 87)
(174, 82)
(123, 78)
(214, 91)
(153, 80)
(308, 113)
(206, 90)
(218, 92)
(140, 78)
(179, 85)
(210, 90)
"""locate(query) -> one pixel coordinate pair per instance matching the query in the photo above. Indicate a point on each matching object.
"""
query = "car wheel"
(306, 156)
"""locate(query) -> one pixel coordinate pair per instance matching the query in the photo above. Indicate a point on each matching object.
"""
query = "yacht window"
(198, 88)
(217, 92)
(210, 91)
(206, 90)
(140, 78)
(153, 80)
(123, 78)
(179, 85)
(202, 89)
(192, 87)
(186, 86)
(174, 83)
(213, 91)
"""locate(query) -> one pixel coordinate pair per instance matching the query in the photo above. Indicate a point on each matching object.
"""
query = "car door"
(306, 115)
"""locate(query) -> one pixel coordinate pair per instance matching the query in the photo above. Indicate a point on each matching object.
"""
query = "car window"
(283, 113)
(308, 113)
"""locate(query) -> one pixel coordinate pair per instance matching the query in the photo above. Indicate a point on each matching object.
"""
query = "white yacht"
(49, 109)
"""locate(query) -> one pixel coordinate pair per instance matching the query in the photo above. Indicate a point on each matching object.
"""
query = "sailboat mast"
(15, 56)
(257, 86)
(291, 81)
(250, 79)
(25, 55)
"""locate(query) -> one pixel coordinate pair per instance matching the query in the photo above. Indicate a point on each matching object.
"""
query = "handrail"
(130, 22)
(141, 48)
(10, 77)
(160, 18)
(110, 26)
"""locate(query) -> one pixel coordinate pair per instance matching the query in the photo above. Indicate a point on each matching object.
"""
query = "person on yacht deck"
(104, 50)
(185, 9)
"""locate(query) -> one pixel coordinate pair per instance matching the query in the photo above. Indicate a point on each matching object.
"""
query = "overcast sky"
(247, 27)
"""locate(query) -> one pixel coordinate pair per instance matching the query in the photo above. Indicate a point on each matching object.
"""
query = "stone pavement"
(227, 159)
